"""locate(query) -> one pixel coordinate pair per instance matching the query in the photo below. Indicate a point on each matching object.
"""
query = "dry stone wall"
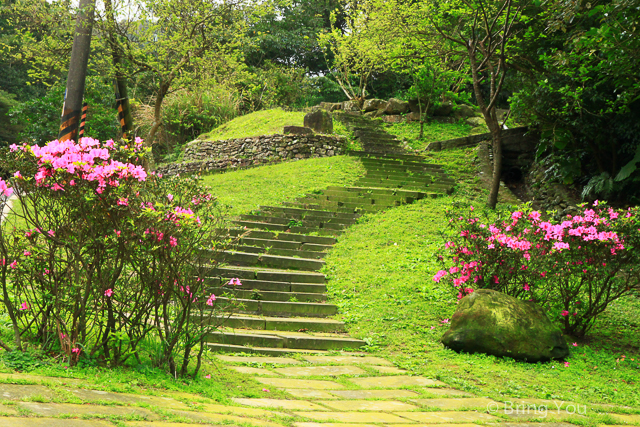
(203, 155)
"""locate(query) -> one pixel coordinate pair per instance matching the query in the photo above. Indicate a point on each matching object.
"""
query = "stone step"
(291, 237)
(312, 212)
(293, 324)
(349, 207)
(406, 184)
(280, 252)
(268, 274)
(267, 351)
(282, 339)
(328, 231)
(390, 162)
(386, 148)
(281, 308)
(307, 222)
(283, 244)
(268, 285)
(307, 219)
(353, 204)
(380, 191)
(267, 260)
(364, 155)
(388, 200)
(262, 295)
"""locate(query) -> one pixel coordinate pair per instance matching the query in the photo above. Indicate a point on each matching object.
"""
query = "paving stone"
(390, 370)
(441, 391)
(354, 417)
(306, 384)
(219, 419)
(348, 360)
(542, 414)
(309, 394)
(55, 409)
(394, 382)
(99, 395)
(334, 425)
(368, 405)
(236, 410)
(296, 405)
(446, 417)
(22, 392)
(458, 403)
(377, 394)
(7, 410)
(55, 422)
(156, 424)
(251, 371)
(320, 370)
(37, 379)
(531, 425)
(257, 359)
(629, 419)
(458, 425)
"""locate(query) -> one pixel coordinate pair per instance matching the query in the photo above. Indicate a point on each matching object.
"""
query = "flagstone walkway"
(349, 390)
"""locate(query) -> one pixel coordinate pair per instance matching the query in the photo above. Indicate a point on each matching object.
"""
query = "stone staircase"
(370, 133)
(280, 251)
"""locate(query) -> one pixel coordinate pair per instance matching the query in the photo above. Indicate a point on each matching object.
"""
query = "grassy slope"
(381, 278)
(432, 132)
(245, 190)
(265, 122)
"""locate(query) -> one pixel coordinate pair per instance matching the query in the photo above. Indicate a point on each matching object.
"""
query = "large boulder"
(351, 105)
(476, 121)
(396, 106)
(494, 323)
(320, 121)
(444, 109)
(393, 119)
(374, 104)
(297, 130)
(465, 111)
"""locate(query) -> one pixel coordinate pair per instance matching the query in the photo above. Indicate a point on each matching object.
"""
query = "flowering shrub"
(97, 255)
(574, 268)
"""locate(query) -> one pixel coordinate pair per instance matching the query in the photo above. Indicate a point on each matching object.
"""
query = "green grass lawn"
(433, 131)
(381, 278)
(245, 190)
(265, 122)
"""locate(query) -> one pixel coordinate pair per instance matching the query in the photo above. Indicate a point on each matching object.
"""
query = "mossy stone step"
(280, 252)
(282, 244)
(407, 163)
(315, 213)
(262, 225)
(376, 198)
(262, 295)
(268, 351)
(267, 260)
(339, 208)
(351, 206)
(380, 191)
(290, 237)
(365, 200)
(268, 285)
(253, 273)
(389, 183)
(407, 156)
(269, 323)
(307, 221)
(285, 340)
(283, 308)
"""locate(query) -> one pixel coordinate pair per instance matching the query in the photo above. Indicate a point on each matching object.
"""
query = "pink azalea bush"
(574, 268)
(98, 254)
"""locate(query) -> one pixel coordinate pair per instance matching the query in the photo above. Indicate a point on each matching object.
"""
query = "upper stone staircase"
(280, 250)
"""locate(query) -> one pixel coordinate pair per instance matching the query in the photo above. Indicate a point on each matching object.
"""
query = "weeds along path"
(280, 251)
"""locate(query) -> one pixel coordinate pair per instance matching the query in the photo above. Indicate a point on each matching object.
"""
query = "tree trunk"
(77, 72)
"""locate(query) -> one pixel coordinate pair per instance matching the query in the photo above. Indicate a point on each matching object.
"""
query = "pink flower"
(118, 232)
(13, 265)
(526, 287)
(72, 183)
(566, 364)
(26, 253)
(445, 321)
(170, 197)
(564, 313)
(17, 175)
(75, 350)
(211, 299)
(266, 390)
(208, 376)
(575, 344)
(108, 292)
(4, 189)
(234, 282)
(24, 306)
(51, 233)
(123, 201)
(173, 241)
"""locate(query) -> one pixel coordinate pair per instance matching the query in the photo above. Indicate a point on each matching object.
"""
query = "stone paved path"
(352, 390)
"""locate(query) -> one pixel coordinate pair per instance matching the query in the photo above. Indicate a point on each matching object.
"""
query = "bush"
(99, 256)
(574, 268)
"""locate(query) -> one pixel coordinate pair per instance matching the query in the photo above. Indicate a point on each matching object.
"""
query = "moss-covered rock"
(493, 323)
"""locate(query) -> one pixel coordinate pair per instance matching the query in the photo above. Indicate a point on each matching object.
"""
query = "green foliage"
(274, 86)
(8, 131)
(23, 361)
(39, 118)
(266, 122)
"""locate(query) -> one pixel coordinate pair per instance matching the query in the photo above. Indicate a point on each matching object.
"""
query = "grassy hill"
(265, 122)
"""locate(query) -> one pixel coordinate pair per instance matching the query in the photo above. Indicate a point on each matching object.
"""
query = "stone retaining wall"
(202, 156)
